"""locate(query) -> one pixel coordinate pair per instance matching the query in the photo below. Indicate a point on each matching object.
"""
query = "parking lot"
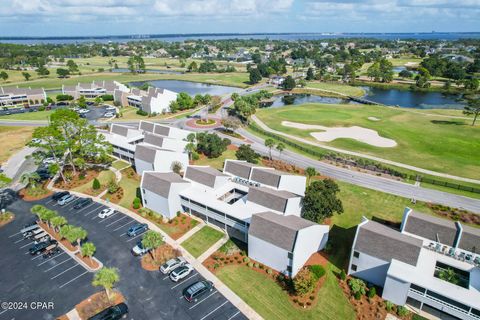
(95, 113)
(149, 295)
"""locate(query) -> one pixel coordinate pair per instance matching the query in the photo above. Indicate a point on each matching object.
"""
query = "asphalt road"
(148, 294)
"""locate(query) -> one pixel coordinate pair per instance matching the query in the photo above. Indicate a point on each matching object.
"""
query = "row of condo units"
(11, 96)
(149, 145)
(257, 205)
(153, 100)
(429, 263)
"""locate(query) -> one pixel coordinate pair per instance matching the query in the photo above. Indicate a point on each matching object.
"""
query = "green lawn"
(104, 178)
(266, 297)
(120, 164)
(337, 87)
(217, 163)
(129, 187)
(431, 142)
(34, 116)
(201, 240)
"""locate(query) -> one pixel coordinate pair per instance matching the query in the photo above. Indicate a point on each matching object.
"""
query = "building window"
(145, 200)
(290, 255)
(289, 269)
(354, 267)
(356, 254)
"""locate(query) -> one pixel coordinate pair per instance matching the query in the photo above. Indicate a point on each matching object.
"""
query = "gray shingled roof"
(160, 183)
(162, 130)
(429, 227)
(239, 168)
(153, 139)
(470, 239)
(146, 126)
(145, 153)
(277, 229)
(120, 130)
(267, 176)
(270, 198)
(385, 243)
(203, 175)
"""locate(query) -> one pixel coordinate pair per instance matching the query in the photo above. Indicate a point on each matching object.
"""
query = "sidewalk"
(190, 232)
(15, 162)
(196, 263)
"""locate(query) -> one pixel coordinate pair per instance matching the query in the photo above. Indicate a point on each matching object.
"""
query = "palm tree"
(191, 137)
(66, 231)
(269, 143)
(30, 179)
(58, 221)
(449, 275)
(280, 148)
(79, 234)
(48, 215)
(190, 148)
(176, 167)
(88, 250)
(106, 278)
(152, 240)
(310, 172)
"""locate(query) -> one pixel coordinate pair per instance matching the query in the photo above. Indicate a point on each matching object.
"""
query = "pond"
(414, 99)
(125, 70)
(296, 99)
(192, 88)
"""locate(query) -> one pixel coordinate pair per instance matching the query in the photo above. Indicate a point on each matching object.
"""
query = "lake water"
(279, 101)
(125, 70)
(414, 99)
(189, 87)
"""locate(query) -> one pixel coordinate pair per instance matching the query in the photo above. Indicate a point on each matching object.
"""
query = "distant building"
(154, 100)
(407, 263)
(94, 89)
(10, 96)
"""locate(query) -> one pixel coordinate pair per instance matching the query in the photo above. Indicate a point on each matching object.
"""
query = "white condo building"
(255, 204)
(10, 96)
(408, 262)
(94, 89)
(154, 100)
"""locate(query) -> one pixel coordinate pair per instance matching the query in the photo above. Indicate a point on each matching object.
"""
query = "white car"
(109, 115)
(172, 264)
(106, 213)
(139, 250)
(65, 199)
(110, 108)
(49, 161)
(76, 109)
(181, 272)
(36, 140)
(82, 111)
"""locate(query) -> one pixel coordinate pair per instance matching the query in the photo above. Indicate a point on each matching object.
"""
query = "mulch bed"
(96, 303)
(56, 236)
(90, 262)
(455, 214)
(130, 173)
(7, 221)
(162, 254)
(28, 197)
(282, 166)
(183, 223)
(114, 197)
(89, 175)
(232, 147)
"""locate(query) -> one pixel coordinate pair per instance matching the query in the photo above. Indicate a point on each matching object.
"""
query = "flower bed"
(175, 227)
(114, 197)
(77, 180)
(162, 254)
(33, 194)
(282, 166)
(206, 122)
(455, 214)
(6, 218)
(96, 303)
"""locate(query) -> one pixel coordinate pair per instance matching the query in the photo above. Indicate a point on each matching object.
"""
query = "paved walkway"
(190, 232)
(366, 156)
(15, 162)
(212, 249)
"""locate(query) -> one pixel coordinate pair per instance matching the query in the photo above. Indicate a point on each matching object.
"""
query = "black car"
(82, 203)
(192, 292)
(43, 174)
(113, 313)
(40, 247)
(59, 195)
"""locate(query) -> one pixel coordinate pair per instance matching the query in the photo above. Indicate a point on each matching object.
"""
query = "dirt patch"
(77, 180)
(162, 254)
(114, 197)
(41, 192)
(96, 303)
(232, 147)
(6, 218)
(90, 262)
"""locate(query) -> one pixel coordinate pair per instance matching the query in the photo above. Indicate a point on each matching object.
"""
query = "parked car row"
(43, 243)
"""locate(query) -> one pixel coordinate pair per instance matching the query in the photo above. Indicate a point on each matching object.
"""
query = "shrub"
(402, 311)
(357, 286)
(280, 277)
(140, 112)
(178, 213)
(195, 156)
(312, 298)
(389, 305)
(317, 271)
(372, 292)
(246, 259)
(215, 266)
(96, 184)
(112, 187)
(41, 108)
(343, 275)
(269, 271)
(304, 282)
(136, 203)
(256, 265)
(250, 264)
(357, 295)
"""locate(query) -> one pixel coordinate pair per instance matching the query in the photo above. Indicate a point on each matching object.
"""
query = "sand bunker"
(373, 119)
(357, 133)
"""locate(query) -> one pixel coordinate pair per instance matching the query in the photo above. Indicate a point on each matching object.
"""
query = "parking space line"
(69, 258)
(28, 244)
(90, 212)
(105, 219)
(211, 294)
(56, 276)
(20, 240)
(124, 225)
(13, 235)
(135, 237)
(123, 217)
(86, 207)
(236, 314)
(166, 277)
(63, 285)
(95, 217)
(4, 311)
(49, 201)
(38, 256)
(38, 265)
(193, 275)
(215, 309)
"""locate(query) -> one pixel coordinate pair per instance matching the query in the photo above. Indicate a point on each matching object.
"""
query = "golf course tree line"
(73, 144)
(265, 70)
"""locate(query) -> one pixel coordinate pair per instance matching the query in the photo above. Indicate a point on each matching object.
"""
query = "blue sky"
(110, 17)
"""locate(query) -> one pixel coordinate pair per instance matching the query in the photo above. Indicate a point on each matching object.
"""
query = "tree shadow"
(340, 241)
(448, 122)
